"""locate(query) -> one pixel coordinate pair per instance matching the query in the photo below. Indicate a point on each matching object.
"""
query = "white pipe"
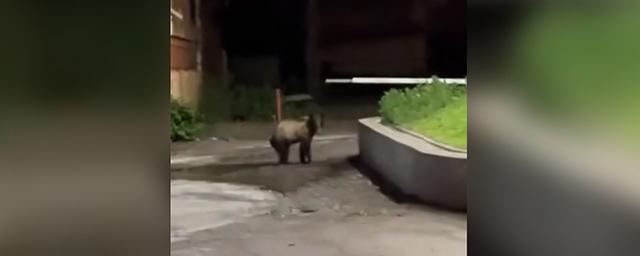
(392, 80)
(338, 81)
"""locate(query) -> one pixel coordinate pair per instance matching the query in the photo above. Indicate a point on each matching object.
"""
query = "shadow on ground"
(384, 186)
(288, 178)
(268, 175)
(387, 188)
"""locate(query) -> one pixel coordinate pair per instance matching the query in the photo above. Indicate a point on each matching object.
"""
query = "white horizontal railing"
(392, 80)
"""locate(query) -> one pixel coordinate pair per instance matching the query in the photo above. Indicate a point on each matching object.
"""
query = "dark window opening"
(193, 12)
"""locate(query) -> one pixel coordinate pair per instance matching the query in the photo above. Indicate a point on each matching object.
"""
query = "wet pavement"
(279, 178)
(257, 164)
(248, 205)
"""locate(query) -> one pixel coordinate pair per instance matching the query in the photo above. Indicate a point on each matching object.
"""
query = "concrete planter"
(417, 167)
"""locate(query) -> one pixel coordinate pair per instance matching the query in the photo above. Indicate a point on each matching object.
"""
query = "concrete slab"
(341, 215)
(414, 235)
(198, 205)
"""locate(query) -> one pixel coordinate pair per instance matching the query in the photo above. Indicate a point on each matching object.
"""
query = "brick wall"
(186, 77)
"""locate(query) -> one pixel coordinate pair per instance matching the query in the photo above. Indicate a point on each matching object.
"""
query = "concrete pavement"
(198, 205)
(241, 203)
(413, 234)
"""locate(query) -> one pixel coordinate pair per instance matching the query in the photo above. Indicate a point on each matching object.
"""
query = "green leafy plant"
(437, 110)
(254, 104)
(185, 121)
(216, 100)
(258, 104)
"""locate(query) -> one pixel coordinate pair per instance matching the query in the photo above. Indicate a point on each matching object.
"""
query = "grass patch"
(449, 125)
(436, 110)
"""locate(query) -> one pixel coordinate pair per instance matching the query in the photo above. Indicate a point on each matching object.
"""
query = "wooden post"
(278, 105)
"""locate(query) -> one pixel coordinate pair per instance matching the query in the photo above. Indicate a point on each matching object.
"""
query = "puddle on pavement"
(280, 178)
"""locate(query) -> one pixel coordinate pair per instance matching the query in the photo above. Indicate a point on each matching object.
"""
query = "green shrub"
(258, 104)
(216, 100)
(185, 121)
(254, 104)
(437, 110)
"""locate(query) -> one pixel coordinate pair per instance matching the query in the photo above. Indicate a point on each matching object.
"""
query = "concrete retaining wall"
(418, 168)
